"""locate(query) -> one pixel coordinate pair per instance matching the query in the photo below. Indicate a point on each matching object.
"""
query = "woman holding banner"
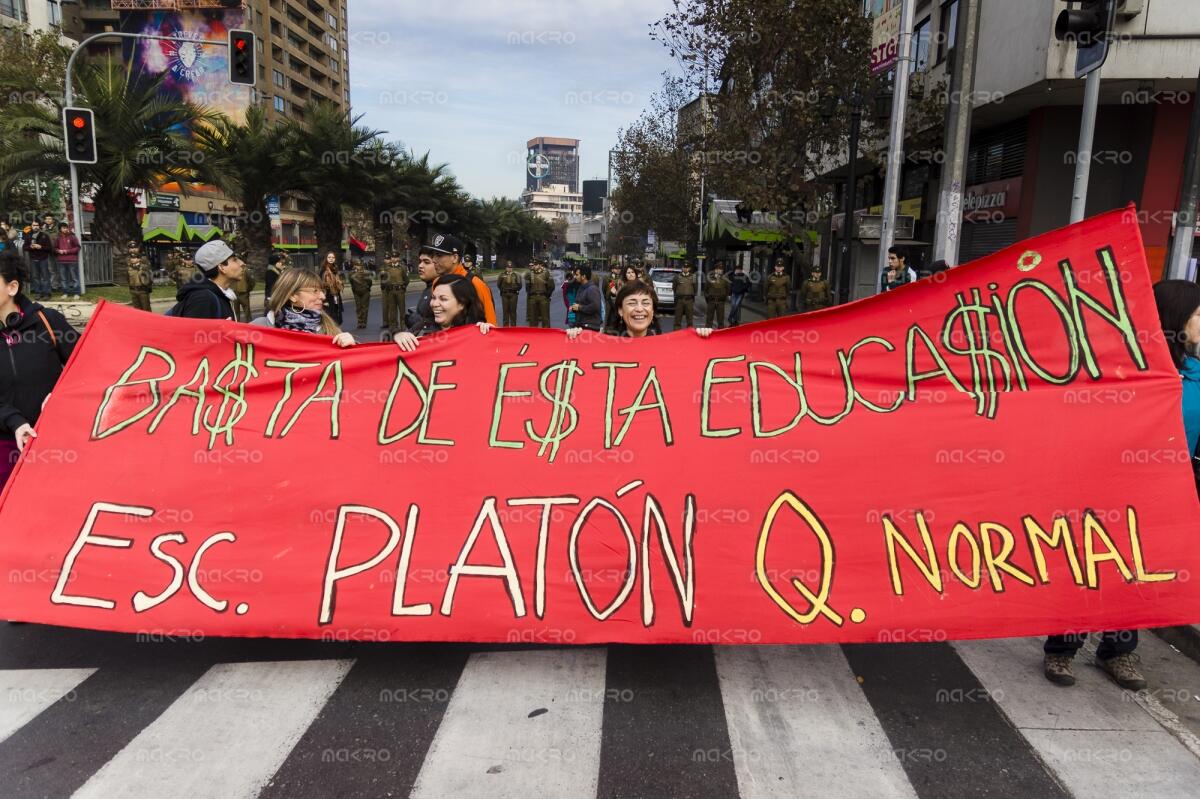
(454, 302)
(39, 342)
(635, 314)
(298, 302)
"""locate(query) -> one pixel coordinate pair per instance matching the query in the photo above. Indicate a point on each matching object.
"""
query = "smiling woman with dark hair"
(39, 341)
(636, 314)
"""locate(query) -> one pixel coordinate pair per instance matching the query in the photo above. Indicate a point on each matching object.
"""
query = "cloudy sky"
(471, 81)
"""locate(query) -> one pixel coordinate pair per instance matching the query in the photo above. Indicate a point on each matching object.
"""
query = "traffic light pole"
(69, 100)
(1083, 155)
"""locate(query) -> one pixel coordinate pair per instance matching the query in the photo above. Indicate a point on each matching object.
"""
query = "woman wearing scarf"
(297, 303)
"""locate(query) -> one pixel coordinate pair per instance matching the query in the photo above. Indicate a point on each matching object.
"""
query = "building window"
(920, 47)
(54, 12)
(280, 80)
(947, 29)
(280, 104)
(14, 9)
(332, 20)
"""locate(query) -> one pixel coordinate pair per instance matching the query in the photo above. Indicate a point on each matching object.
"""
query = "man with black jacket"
(588, 302)
(213, 297)
(739, 284)
(39, 248)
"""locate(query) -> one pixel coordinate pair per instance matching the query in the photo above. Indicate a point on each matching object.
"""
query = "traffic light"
(241, 57)
(1090, 26)
(79, 135)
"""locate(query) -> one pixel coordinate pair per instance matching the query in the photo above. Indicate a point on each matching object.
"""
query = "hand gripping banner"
(995, 452)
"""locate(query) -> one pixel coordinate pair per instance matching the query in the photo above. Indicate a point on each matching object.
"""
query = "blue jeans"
(735, 309)
(68, 277)
(40, 270)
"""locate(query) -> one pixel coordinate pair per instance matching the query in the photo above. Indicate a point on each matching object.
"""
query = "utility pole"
(958, 134)
(848, 203)
(1185, 221)
(891, 186)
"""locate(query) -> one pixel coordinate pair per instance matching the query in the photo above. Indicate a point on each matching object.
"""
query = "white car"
(663, 280)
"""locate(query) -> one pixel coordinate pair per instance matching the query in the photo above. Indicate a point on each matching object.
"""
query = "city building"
(554, 201)
(563, 158)
(39, 15)
(594, 192)
(1025, 126)
(302, 57)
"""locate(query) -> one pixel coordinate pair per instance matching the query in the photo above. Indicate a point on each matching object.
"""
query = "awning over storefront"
(726, 228)
(172, 227)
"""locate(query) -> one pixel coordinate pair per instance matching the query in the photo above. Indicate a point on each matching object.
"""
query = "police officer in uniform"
(510, 291)
(716, 293)
(779, 288)
(393, 280)
(276, 263)
(684, 286)
(185, 269)
(360, 284)
(242, 288)
(539, 288)
(816, 292)
(141, 280)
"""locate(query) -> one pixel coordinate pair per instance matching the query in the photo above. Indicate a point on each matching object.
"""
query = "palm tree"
(249, 162)
(140, 141)
(408, 193)
(336, 163)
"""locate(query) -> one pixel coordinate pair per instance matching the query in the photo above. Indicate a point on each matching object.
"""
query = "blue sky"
(471, 81)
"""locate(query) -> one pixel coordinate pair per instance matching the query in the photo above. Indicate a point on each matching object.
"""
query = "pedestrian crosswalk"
(495, 722)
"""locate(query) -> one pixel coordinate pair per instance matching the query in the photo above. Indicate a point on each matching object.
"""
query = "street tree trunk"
(256, 233)
(327, 218)
(116, 222)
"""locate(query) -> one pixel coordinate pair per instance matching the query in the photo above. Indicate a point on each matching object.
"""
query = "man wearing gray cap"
(213, 297)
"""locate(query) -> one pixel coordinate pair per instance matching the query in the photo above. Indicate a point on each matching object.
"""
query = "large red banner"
(995, 452)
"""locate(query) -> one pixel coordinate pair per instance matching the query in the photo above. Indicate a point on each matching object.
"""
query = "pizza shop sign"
(992, 202)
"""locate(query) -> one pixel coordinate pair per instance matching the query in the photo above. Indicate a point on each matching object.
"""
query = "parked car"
(663, 280)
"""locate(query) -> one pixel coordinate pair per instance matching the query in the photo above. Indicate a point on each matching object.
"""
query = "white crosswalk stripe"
(532, 723)
(797, 718)
(1093, 736)
(226, 736)
(24, 693)
(520, 724)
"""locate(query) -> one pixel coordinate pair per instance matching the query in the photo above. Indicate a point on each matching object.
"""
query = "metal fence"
(97, 259)
(303, 260)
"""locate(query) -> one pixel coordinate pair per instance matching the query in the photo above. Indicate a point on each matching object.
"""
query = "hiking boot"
(1123, 671)
(1058, 669)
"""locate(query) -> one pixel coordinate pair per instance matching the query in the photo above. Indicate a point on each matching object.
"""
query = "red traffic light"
(79, 123)
(241, 44)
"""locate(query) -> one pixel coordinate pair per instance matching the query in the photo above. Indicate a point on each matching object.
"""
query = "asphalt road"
(106, 715)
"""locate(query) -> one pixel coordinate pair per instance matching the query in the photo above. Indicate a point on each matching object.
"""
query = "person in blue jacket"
(1179, 314)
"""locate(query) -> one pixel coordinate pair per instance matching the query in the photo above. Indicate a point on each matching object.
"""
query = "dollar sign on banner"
(564, 418)
(224, 424)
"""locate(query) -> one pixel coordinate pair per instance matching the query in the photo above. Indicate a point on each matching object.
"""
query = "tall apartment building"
(563, 155)
(39, 15)
(303, 47)
(302, 57)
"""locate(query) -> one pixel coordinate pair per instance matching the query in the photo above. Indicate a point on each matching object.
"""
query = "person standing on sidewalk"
(739, 285)
(242, 288)
(815, 292)
(588, 301)
(141, 282)
(275, 267)
(509, 284)
(539, 288)
(716, 292)
(778, 292)
(66, 250)
(38, 248)
(360, 284)
(684, 287)
(898, 272)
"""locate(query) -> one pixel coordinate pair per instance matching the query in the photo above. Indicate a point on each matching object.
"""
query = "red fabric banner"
(994, 452)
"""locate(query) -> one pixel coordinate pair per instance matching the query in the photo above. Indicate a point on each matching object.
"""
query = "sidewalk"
(1185, 638)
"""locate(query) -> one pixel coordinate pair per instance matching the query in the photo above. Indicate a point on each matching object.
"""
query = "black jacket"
(45, 248)
(203, 299)
(32, 363)
(739, 284)
(589, 301)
